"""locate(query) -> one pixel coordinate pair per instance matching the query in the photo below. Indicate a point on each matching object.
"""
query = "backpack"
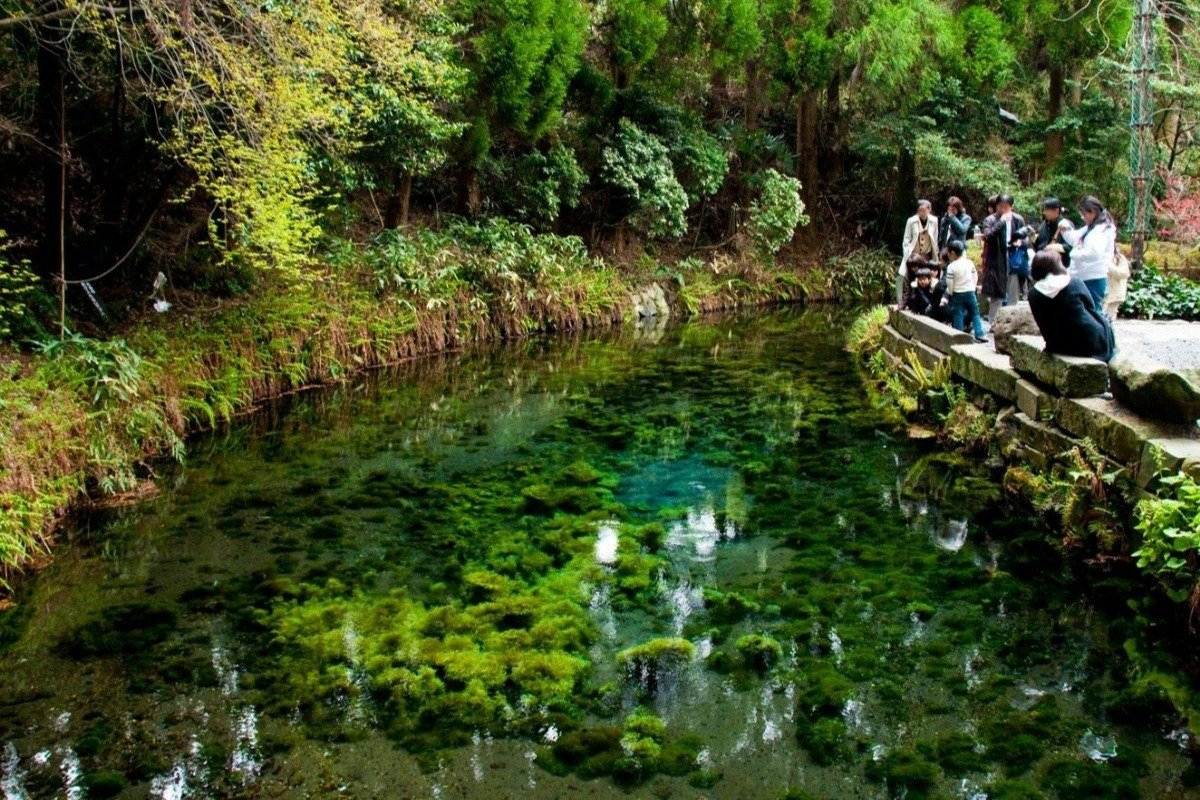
(1018, 261)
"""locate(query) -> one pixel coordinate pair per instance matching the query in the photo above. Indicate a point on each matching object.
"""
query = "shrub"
(1156, 295)
(1170, 528)
(777, 212)
(18, 288)
(640, 166)
(866, 332)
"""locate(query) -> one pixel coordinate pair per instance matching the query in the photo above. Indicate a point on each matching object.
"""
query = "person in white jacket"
(920, 239)
(1093, 248)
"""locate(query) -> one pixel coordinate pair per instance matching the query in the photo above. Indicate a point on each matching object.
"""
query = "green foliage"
(639, 165)
(701, 163)
(128, 425)
(777, 212)
(865, 336)
(18, 292)
(1160, 295)
(940, 164)
(1170, 527)
(636, 27)
(522, 56)
(538, 187)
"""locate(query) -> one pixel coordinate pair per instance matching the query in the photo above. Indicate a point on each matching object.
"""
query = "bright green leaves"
(897, 50)
(1170, 527)
(640, 166)
(637, 27)
(522, 56)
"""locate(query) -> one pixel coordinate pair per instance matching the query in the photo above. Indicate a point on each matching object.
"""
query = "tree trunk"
(1054, 138)
(396, 212)
(52, 124)
(830, 146)
(806, 146)
(1169, 132)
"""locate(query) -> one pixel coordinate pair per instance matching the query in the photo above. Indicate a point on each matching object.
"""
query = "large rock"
(1013, 321)
(1169, 456)
(1033, 401)
(981, 365)
(1068, 376)
(1156, 391)
(1032, 440)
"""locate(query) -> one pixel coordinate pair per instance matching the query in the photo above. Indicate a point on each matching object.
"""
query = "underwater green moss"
(759, 652)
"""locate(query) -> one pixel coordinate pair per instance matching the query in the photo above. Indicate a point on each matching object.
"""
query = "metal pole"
(1142, 147)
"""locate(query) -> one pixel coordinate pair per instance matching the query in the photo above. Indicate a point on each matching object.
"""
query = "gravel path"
(1172, 343)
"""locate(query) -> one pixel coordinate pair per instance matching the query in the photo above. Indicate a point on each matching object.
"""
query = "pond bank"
(1107, 454)
(85, 420)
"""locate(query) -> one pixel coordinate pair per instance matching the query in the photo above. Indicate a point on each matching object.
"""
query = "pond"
(692, 562)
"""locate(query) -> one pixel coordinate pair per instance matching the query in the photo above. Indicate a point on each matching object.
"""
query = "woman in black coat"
(1065, 312)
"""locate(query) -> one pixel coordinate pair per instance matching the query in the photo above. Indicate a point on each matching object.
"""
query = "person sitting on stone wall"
(1066, 312)
(925, 296)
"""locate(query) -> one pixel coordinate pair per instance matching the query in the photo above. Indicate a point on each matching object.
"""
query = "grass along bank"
(84, 419)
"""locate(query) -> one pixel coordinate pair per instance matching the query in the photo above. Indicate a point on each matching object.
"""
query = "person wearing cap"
(1050, 231)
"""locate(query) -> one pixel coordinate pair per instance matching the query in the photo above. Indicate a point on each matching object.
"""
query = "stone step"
(1118, 432)
(1068, 376)
(984, 367)
(927, 331)
(900, 346)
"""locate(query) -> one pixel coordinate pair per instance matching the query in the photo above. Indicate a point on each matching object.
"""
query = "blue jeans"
(962, 304)
(1098, 287)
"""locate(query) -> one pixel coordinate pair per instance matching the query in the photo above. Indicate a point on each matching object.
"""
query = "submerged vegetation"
(686, 565)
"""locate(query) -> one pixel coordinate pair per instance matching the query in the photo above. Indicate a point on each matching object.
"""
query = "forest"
(233, 145)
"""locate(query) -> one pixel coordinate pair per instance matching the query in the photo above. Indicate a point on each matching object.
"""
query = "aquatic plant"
(759, 652)
(656, 654)
(905, 772)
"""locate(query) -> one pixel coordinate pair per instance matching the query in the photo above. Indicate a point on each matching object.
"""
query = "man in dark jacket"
(999, 231)
(1050, 232)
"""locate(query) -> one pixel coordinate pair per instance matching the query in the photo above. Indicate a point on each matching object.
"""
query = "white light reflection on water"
(12, 778)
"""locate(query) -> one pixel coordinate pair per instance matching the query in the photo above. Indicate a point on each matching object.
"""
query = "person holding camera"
(1094, 247)
(1050, 232)
(1000, 231)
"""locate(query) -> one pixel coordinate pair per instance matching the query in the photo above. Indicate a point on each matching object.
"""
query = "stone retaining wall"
(1047, 403)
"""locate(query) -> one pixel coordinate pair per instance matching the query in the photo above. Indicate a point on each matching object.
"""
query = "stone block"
(898, 319)
(1171, 394)
(981, 365)
(1012, 321)
(930, 332)
(1040, 436)
(901, 347)
(1118, 432)
(1169, 455)
(1033, 401)
(1068, 376)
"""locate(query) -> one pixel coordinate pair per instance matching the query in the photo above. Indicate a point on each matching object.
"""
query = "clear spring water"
(669, 564)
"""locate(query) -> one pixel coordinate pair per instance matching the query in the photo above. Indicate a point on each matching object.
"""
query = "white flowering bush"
(777, 212)
(640, 166)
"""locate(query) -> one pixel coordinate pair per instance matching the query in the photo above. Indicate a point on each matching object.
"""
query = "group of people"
(1062, 270)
